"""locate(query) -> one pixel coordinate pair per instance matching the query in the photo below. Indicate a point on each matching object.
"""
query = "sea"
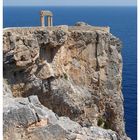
(123, 24)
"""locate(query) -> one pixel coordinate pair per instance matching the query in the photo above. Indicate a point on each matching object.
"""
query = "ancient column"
(42, 21)
(48, 20)
(51, 21)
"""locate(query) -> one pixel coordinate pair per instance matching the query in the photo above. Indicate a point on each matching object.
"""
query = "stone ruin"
(49, 15)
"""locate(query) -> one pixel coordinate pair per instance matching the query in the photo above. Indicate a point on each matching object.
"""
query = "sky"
(69, 2)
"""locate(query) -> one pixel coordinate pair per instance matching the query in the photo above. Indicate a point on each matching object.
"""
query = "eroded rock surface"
(27, 119)
(74, 71)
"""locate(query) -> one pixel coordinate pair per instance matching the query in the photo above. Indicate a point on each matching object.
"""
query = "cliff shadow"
(48, 53)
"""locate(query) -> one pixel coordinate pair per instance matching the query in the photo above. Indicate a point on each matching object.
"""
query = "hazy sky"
(70, 2)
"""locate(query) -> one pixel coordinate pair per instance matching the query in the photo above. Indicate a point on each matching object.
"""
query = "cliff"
(62, 83)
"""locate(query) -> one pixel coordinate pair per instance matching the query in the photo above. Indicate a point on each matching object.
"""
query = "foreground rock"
(75, 71)
(26, 118)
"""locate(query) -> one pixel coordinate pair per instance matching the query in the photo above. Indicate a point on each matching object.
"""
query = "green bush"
(65, 76)
(102, 123)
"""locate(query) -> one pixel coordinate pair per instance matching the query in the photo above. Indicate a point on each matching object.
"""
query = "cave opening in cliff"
(47, 53)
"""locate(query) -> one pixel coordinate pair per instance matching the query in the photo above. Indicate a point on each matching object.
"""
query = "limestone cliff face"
(74, 71)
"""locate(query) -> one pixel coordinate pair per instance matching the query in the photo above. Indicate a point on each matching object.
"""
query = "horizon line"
(70, 5)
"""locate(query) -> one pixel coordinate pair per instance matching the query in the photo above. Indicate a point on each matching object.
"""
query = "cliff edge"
(62, 83)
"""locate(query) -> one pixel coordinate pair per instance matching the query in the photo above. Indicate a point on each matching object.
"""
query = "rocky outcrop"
(74, 71)
(27, 119)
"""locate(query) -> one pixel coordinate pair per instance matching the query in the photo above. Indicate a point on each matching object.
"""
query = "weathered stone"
(75, 71)
(81, 24)
(45, 72)
(27, 118)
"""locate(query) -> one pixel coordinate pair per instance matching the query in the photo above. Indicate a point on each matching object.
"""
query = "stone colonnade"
(49, 18)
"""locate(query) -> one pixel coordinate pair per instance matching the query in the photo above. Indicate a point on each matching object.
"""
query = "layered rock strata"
(74, 71)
